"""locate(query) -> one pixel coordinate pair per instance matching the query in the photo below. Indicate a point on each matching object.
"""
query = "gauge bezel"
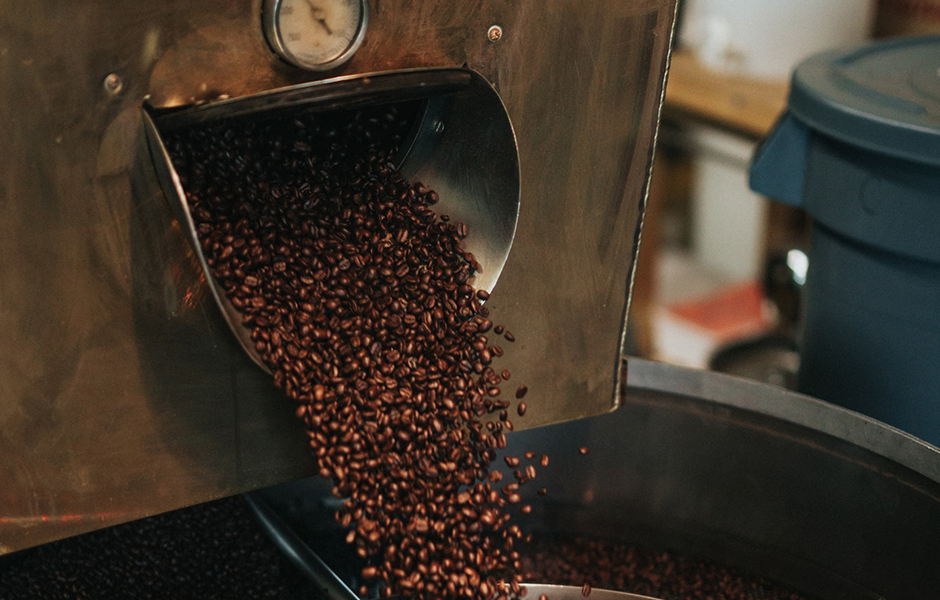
(272, 33)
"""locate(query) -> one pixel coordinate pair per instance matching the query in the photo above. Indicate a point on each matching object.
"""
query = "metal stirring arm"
(331, 586)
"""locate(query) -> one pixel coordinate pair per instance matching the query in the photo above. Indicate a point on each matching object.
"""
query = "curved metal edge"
(269, 9)
(568, 592)
(331, 586)
(806, 411)
(420, 146)
(346, 90)
(518, 166)
(173, 190)
(620, 371)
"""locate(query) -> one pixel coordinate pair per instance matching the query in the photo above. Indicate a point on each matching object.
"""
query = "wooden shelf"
(744, 105)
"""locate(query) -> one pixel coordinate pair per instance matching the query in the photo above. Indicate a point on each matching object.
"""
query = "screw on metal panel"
(113, 84)
(495, 33)
(438, 126)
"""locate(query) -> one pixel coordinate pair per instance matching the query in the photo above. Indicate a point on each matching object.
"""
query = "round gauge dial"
(315, 34)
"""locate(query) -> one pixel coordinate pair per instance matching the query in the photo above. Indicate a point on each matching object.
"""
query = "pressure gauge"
(318, 35)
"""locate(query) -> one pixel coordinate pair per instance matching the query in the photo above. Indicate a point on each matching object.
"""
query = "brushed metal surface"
(122, 391)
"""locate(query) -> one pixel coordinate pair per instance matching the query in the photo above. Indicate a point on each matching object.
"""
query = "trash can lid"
(883, 97)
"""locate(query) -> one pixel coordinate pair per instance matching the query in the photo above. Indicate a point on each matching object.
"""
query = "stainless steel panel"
(122, 393)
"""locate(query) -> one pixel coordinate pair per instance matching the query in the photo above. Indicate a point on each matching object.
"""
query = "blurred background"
(719, 282)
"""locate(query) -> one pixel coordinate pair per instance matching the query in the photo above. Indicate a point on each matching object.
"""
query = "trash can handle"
(778, 169)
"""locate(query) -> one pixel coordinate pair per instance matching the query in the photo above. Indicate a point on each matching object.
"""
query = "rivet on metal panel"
(495, 33)
(113, 84)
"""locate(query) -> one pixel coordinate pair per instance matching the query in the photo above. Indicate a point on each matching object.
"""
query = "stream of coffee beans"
(359, 298)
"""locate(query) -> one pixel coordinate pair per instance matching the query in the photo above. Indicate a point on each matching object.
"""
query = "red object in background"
(691, 331)
(733, 312)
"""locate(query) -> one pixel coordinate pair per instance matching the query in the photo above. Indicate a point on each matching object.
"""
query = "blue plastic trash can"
(859, 149)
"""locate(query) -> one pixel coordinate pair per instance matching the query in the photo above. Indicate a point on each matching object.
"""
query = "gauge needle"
(315, 11)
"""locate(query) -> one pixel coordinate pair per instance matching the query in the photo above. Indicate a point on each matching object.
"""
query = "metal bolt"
(438, 126)
(495, 33)
(113, 84)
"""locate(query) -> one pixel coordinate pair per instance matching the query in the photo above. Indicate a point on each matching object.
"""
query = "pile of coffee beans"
(359, 298)
(214, 550)
(616, 566)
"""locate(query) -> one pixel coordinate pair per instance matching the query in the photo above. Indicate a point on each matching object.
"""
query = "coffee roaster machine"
(125, 386)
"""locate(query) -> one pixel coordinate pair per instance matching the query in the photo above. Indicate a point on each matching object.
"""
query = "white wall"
(728, 220)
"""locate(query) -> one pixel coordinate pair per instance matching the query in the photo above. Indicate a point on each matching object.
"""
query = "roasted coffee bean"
(211, 551)
(521, 408)
(586, 589)
(357, 297)
(583, 450)
(601, 564)
(521, 391)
